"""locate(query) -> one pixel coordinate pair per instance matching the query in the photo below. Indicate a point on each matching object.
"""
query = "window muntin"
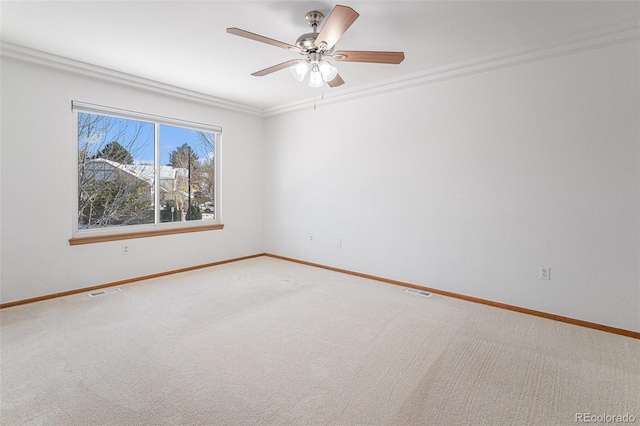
(131, 174)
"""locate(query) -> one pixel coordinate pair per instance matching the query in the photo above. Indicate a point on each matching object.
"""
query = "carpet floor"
(266, 341)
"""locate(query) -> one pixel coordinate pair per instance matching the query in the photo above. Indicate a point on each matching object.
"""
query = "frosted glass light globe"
(299, 70)
(329, 72)
(315, 79)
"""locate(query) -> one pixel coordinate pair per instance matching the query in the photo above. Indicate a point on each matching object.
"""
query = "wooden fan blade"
(337, 81)
(337, 24)
(368, 56)
(275, 68)
(262, 39)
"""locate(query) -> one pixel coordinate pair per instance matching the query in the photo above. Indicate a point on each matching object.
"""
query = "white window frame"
(85, 236)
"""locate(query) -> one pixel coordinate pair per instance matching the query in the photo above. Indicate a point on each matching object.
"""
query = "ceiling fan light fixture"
(299, 70)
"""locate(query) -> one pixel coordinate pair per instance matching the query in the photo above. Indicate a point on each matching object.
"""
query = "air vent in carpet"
(103, 292)
(418, 292)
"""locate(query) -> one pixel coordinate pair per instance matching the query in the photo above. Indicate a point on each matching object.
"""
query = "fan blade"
(337, 24)
(262, 39)
(369, 56)
(276, 68)
(337, 81)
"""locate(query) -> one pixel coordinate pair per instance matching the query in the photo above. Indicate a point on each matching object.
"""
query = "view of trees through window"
(118, 179)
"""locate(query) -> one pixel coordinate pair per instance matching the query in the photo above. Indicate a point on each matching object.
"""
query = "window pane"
(116, 177)
(186, 174)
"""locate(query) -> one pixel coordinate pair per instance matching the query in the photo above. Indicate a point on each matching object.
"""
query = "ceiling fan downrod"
(306, 42)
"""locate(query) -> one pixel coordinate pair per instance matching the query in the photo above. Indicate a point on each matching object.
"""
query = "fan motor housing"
(305, 41)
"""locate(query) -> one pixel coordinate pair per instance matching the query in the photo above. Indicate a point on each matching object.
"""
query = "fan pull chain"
(315, 98)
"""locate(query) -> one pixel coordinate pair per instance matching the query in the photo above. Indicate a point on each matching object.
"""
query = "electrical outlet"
(125, 249)
(339, 242)
(545, 273)
(311, 239)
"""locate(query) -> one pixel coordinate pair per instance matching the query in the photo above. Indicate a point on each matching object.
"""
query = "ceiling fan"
(318, 46)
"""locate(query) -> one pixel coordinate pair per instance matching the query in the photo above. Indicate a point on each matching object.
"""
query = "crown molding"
(625, 32)
(25, 54)
(622, 33)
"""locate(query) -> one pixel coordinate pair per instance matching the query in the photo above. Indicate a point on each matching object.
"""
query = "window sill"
(142, 234)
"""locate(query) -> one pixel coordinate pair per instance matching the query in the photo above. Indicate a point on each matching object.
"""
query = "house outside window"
(139, 172)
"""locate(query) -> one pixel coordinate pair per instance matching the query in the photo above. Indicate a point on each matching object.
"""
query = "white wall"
(469, 185)
(38, 171)
(466, 185)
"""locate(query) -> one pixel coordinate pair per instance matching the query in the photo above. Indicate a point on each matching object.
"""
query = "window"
(142, 175)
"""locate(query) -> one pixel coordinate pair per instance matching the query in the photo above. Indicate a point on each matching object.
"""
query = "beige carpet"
(265, 341)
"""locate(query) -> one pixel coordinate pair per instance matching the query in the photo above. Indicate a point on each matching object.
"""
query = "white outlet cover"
(545, 273)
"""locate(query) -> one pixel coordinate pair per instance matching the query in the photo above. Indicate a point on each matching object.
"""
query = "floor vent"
(103, 292)
(418, 292)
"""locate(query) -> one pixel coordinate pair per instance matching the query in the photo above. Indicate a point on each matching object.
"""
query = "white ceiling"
(184, 43)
